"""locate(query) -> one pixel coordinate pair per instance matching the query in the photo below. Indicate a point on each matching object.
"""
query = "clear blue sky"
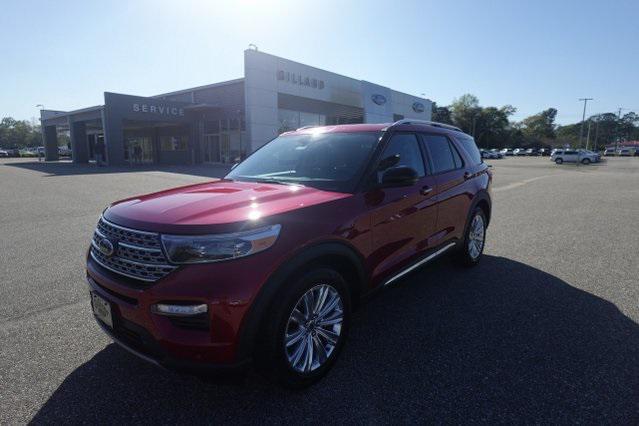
(534, 55)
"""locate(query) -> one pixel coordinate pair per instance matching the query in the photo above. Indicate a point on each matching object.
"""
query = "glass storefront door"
(211, 149)
(225, 148)
(224, 140)
(139, 150)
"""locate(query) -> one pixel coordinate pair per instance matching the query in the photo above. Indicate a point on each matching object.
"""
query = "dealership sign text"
(159, 109)
(293, 78)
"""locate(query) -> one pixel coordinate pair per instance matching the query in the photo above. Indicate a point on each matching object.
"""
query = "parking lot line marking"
(518, 184)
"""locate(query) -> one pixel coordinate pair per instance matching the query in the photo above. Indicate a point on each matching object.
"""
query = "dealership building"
(223, 122)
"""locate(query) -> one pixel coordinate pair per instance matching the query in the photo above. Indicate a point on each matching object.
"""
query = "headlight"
(215, 248)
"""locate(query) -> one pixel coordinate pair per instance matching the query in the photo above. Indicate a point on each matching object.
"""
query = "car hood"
(214, 203)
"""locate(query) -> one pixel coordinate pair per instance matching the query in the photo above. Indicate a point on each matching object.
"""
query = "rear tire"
(300, 322)
(559, 160)
(469, 254)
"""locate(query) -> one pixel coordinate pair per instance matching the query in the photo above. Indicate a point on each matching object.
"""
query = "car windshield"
(328, 161)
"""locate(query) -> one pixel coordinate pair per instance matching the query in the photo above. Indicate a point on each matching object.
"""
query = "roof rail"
(304, 127)
(430, 123)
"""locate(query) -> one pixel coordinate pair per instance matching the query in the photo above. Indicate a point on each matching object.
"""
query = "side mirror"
(399, 176)
(388, 162)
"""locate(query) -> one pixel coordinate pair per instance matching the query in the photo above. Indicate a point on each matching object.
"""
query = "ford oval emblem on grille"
(378, 99)
(106, 247)
(418, 107)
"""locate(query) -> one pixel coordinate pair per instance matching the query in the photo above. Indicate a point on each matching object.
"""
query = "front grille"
(137, 254)
(129, 236)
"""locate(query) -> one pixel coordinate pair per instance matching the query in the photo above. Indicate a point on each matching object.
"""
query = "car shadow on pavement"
(66, 168)
(501, 342)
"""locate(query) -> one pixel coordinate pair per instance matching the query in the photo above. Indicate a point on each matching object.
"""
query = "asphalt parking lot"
(544, 330)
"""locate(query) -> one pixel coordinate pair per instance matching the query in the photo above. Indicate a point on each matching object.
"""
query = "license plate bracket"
(102, 309)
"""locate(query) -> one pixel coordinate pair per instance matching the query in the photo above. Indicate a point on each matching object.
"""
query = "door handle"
(425, 190)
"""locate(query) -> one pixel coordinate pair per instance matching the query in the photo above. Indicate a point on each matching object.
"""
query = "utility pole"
(588, 134)
(581, 129)
(618, 135)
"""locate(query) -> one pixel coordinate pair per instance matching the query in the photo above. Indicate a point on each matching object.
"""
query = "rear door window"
(443, 156)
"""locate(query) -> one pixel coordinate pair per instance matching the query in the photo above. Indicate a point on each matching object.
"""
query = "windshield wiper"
(268, 180)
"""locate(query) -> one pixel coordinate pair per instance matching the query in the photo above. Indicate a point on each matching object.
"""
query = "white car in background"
(497, 152)
(64, 151)
(609, 152)
(574, 156)
(490, 155)
(519, 152)
(3, 153)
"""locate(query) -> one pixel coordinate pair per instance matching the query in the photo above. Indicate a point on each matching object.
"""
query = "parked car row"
(491, 154)
(516, 152)
(622, 152)
(10, 152)
(63, 151)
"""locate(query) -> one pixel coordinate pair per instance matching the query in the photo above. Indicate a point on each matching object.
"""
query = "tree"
(441, 114)
(627, 126)
(464, 111)
(19, 133)
(492, 126)
(540, 128)
(605, 129)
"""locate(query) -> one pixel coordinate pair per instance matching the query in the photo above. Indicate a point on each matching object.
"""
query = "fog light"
(179, 310)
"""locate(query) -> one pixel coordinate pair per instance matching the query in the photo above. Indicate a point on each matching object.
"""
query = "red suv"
(268, 263)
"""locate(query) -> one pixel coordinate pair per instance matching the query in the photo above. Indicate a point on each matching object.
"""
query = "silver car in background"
(574, 156)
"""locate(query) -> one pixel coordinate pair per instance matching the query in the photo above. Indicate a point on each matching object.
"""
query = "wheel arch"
(483, 201)
(334, 254)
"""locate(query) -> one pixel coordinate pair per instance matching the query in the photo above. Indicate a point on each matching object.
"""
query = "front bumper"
(161, 340)
(153, 354)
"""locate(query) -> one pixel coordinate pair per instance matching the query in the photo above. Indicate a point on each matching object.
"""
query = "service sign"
(149, 108)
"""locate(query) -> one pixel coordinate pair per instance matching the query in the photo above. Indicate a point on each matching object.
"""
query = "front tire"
(474, 239)
(585, 161)
(305, 329)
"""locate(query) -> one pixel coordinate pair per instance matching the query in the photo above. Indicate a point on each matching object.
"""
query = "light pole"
(583, 118)
(618, 132)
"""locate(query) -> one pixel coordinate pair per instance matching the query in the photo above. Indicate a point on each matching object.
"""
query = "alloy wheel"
(313, 329)
(476, 236)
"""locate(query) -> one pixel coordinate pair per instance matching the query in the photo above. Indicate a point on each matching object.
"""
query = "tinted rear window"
(469, 145)
(441, 153)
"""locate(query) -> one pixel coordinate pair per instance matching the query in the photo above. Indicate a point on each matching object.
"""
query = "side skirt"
(419, 263)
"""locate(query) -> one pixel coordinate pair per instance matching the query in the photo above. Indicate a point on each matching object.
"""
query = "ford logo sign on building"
(418, 107)
(379, 99)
